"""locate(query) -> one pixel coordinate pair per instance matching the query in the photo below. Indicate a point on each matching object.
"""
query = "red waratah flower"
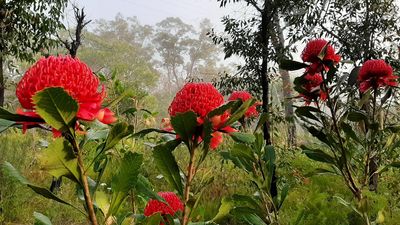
(77, 80)
(313, 89)
(174, 205)
(244, 96)
(311, 52)
(201, 98)
(376, 73)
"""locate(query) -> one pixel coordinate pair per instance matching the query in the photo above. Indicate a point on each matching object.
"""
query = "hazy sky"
(153, 11)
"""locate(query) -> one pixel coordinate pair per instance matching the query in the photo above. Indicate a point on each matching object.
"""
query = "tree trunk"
(264, 79)
(278, 41)
(2, 83)
(288, 103)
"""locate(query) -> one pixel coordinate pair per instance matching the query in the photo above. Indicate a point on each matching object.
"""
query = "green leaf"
(348, 130)
(239, 113)
(124, 180)
(231, 106)
(59, 160)
(10, 170)
(6, 115)
(243, 137)
(291, 65)
(155, 219)
(167, 165)
(305, 111)
(117, 132)
(143, 187)
(352, 80)
(5, 124)
(41, 219)
(102, 202)
(322, 53)
(185, 125)
(262, 119)
(247, 215)
(356, 116)
(56, 107)
(318, 155)
(227, 204)
(145, 132)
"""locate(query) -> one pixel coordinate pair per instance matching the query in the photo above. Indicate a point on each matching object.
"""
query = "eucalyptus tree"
(27, 27)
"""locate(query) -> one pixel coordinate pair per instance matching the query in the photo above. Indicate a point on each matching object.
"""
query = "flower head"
(244, 96)
(376, 73)
(74, 77)
(174, 205)
(314, 47)
(313, 88)
(200, 98)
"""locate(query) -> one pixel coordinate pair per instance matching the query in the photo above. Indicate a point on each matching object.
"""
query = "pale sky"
(152, 11)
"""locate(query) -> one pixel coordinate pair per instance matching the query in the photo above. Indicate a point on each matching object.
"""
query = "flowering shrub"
(374, 74)
(174, 205)
(352, 122)
(75, 77)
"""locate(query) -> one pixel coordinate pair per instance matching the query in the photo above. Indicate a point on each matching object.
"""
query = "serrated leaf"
(117, 132)
(59, 160)
(185, 125)
(56, 107)
(167, 165)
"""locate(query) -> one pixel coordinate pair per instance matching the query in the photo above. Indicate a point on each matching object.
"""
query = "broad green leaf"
(117, 132)
(227, 204)
(352, 80)
(317, 155)
(155, 219)
(243, 137)
(6, 115)
(244, 200)
(56, 107)
(102, 202)
(126, 176)
(41, 219)
(231, 106)
(348, 130)
(124, 180)
(284, 194)
(10, 170)
(185, 125)
(291, 65)
(356, 116)
(247, 215)
(5, 124)
(143, 187)
(167, 165)
(59, 160)
(320, 135)
(305, 111)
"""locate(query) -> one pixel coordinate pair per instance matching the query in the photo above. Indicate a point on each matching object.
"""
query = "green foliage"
(57, 108)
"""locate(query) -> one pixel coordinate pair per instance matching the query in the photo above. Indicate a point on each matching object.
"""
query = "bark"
(2, 83)
(278, 41)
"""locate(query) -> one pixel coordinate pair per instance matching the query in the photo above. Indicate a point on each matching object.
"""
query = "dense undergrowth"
(309, 201)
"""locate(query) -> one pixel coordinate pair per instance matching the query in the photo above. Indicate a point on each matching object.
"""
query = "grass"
(310, 201)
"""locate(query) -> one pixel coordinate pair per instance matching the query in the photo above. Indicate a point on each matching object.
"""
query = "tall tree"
(259, 39)
(27, 27)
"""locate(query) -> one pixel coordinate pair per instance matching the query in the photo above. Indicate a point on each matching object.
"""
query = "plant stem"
(190, 174)
(85, 184)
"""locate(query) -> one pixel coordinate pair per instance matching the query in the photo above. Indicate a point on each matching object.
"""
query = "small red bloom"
(244, 96)
(74, 77)
(314, 47)
(311, 52)
(174, 205)
(376, 73)
(313, 88)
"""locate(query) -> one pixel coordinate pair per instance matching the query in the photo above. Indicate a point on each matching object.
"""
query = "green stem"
(190, 174)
